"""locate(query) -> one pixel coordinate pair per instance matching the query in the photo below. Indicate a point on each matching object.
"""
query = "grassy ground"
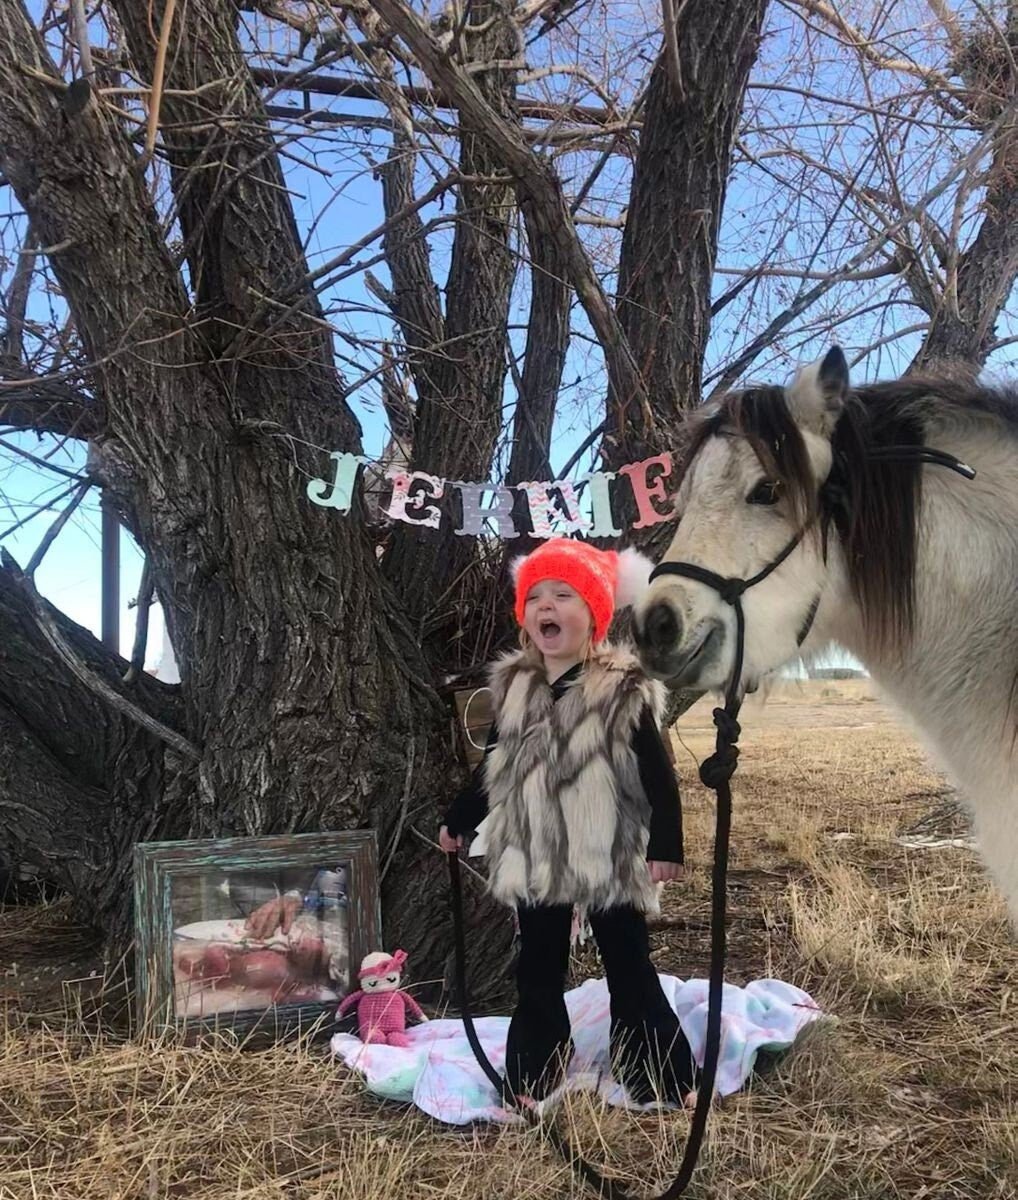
(911, 1091)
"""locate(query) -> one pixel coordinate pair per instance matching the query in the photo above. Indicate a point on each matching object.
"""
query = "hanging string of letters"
(554, 509)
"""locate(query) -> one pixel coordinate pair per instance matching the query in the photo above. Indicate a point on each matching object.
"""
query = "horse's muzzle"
(669, 652)
(660, 630)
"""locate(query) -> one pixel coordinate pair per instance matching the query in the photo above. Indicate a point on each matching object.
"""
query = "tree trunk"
(461, 378)
(979, 280)
(79, 781)
(303, 691)
(669, 244)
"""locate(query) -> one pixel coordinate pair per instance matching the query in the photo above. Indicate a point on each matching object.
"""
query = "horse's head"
(753, 474)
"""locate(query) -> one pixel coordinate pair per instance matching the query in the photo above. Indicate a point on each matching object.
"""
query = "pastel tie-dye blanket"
(438, 1073)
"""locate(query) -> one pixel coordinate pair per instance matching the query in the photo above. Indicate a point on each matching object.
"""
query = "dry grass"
(910, 1092)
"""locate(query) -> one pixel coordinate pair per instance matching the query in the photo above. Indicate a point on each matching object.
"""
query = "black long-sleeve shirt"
(657, 776)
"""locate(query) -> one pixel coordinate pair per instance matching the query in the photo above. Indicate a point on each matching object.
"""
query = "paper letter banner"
(410, 506)
(341, 496)
(559, 508)
(550, 520)
(644, 491)
(475, 517)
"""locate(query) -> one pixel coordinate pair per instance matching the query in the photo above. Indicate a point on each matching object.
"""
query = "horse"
(894, 549)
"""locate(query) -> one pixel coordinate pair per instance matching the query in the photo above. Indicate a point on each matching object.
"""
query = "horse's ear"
(832, 375)
(818, 392)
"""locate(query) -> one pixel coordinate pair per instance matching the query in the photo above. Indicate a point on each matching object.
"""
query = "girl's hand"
(662, 872)
(449, 844)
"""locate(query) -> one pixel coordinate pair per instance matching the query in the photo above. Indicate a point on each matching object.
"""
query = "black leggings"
(650, 1051)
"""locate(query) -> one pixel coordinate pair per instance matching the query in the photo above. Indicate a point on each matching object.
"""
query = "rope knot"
(728, 727)
(720, 767)
(730, 590)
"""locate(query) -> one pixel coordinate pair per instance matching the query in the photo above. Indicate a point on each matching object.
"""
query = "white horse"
(910, 566)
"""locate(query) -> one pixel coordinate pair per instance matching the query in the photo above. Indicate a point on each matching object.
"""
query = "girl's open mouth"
(549, 629)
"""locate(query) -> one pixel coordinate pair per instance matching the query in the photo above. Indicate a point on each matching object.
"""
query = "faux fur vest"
(568, 819)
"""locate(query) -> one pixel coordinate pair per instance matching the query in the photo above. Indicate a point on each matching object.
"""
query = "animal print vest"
(568, 818)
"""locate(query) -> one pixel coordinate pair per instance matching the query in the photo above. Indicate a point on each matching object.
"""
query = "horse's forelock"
(762, 416)
(875, 515)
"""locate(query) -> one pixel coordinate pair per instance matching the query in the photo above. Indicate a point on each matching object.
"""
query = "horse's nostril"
(661, 627)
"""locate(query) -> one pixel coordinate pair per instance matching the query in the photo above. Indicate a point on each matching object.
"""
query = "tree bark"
(544, 359)
(460, 377)
(79, 781)
(964, 314)
(669, 244)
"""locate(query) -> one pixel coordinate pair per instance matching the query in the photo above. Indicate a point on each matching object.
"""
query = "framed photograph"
(255, 932)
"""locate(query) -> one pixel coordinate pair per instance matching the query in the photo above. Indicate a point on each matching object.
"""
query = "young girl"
(583, 809)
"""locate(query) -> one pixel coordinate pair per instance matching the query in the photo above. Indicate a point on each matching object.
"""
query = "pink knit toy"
(382, 1007)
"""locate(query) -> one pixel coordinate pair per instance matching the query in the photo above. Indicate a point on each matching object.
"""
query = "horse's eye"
(767, 491)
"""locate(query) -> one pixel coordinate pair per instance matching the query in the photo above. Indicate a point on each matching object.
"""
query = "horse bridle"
(716, 773)
(732, 589)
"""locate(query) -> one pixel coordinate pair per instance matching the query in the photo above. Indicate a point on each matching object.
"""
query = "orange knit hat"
(605, 579)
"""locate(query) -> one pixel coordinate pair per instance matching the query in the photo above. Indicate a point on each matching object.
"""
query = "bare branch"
(52, 533)
(670, 13)
(427, 98)
(952, 26)
(805, 299)
(146, 596)
(539, 189)
(45, 464)
(865, 47)
(84, 674)
(158, 76)
(45, 507)
(79, 22)
(16, 302)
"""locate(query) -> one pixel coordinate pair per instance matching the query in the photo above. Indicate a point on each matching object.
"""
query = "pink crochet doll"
(382, 1007)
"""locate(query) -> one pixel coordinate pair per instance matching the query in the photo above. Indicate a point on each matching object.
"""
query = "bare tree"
(883, 137)
(583, 218)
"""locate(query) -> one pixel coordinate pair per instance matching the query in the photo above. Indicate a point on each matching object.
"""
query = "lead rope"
(716, 773)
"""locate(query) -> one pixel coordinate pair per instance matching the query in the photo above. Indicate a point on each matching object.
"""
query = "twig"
(32, 515)
(51, 534)
(146, 591)
(158, 74)
(464, 865)
(40, 462)
(582, 449)
(351, 251)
